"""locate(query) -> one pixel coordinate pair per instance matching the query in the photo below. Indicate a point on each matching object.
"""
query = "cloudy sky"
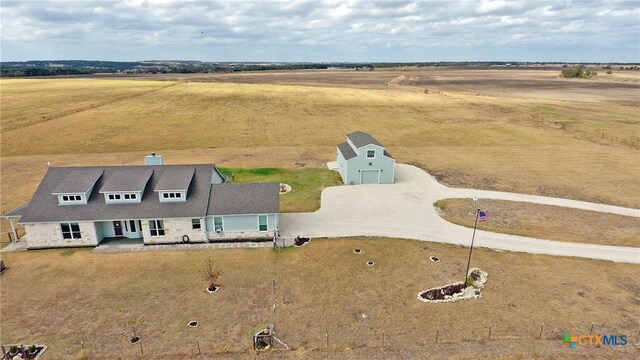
(329, 30)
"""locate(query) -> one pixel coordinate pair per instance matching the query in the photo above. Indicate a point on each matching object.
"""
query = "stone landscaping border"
(470, 292)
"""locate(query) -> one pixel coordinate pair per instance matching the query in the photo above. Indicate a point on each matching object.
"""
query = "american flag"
(484, 215)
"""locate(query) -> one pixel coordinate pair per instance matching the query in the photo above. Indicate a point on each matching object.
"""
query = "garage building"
(363, 160)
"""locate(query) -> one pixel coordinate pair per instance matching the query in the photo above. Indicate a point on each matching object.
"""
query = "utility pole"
(464, 283)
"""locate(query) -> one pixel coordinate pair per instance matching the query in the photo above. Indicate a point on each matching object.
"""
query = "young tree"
(211, 274)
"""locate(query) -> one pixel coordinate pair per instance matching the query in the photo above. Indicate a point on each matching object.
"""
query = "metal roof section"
(78, 181)
(127, 178)
(360, 139)
(244, 198)
(347, 151)
(175, 178)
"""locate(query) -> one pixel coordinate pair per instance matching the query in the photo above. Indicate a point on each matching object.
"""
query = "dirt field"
(546, 222)
(88, 297)
(619, 87)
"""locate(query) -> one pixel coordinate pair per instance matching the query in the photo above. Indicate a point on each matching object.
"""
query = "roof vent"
(153, 159)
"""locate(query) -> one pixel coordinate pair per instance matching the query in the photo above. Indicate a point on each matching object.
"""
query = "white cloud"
(321, 30)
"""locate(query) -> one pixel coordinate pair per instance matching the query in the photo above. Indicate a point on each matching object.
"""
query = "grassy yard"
(63, 297)
(306, 184)
(546, 221)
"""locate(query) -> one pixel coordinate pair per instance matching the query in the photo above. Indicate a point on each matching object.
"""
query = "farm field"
(90, 296)
(545, 221)
(474, 133)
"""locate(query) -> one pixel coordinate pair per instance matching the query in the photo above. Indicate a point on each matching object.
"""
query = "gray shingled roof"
(360, 139)
(127, 178)
(347, 151)
(244, 198)
(44, 206)
(175, 178)
(78, 181)
(386, 153)
(17, 211)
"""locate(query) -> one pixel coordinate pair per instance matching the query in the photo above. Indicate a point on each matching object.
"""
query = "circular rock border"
(284, 188)
(134, 340)
(192, 324)
(370, 263)
(214, 290)
(357, 251)
(434, 259)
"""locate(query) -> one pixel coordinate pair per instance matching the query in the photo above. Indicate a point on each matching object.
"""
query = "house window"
(195, 224)
(262, 222)
(217, 223)
(172, 195)
(70, 231)
(156, 227)
(371, 154)
(71, 198)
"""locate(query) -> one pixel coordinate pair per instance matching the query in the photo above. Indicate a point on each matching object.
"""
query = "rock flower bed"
(456, 291)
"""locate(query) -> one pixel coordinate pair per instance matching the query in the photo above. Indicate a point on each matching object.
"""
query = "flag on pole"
(484, 215)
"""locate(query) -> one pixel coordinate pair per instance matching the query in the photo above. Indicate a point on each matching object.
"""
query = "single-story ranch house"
(81, 206)
(363, 160)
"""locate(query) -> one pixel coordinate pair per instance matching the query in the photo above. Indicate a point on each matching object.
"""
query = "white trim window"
(156, 227)
(218, 225)
(70, 231)
(172, 195)
(371, 154)
(195, 224)
(262, 222)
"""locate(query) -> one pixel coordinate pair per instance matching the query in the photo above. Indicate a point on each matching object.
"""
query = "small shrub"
(469, 281)
(609, 72)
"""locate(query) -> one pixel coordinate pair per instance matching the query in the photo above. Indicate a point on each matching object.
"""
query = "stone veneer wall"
(234, 235)
(49, 235)
(174, 229)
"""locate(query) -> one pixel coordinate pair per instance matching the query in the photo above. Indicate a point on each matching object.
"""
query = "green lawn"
(306, 184)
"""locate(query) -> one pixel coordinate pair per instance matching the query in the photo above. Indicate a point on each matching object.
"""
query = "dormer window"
(371, 154)
(172, 196)
(122, 197)
(71, 199)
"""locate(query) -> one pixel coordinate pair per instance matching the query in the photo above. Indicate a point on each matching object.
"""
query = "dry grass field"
(546, 221)
(62, 297)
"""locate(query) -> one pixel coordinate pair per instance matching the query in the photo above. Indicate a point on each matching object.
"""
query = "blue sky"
(354, 31)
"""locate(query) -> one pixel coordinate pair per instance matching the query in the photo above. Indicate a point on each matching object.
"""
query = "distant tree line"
(81, 67)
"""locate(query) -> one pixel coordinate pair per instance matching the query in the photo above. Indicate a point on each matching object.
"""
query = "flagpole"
(464, 283)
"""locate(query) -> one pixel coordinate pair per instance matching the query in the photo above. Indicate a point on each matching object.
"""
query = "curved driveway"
(405, 210)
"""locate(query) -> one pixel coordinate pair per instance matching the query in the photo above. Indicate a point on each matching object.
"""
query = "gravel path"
(405, 210)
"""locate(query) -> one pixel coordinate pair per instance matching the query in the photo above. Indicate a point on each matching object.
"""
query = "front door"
(117, 228)
(132, 229)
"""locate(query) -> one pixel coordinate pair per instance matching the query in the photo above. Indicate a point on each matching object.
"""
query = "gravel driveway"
(405, 210)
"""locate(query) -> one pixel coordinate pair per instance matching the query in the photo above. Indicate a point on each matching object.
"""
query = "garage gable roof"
(346, 151)
(360, 139)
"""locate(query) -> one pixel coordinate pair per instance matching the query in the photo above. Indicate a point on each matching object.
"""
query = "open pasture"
(586, 150)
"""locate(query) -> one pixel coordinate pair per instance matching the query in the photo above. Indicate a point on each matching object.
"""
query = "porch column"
(13, 229)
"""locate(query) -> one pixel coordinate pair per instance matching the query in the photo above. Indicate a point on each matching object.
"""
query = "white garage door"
(369, 176)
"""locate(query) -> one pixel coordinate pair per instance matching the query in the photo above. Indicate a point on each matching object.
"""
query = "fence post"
(541, 328)
(198, 344)
(489, 332)
(591, 331)
(382, 338)
(326, 335)
(437, 333)
(141, 350)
